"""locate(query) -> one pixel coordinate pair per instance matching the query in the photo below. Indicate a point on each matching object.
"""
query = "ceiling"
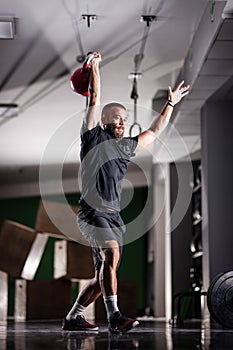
(188, 39)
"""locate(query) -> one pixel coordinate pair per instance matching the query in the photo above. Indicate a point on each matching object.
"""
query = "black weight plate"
(209, 292)
(209, 296)
(220, 299)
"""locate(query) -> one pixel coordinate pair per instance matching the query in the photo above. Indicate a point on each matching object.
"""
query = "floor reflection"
(150, 335)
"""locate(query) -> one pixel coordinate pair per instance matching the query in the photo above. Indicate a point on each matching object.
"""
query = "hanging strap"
(134, 96)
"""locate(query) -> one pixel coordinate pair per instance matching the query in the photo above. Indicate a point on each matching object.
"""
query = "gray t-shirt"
(104, 162)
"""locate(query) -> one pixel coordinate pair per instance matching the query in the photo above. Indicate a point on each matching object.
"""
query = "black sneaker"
(78, 324)
(119, 323)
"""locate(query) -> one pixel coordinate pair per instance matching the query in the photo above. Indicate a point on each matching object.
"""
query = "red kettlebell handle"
(87, 61)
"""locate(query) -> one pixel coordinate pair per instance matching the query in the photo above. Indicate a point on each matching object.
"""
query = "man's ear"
(104, 119)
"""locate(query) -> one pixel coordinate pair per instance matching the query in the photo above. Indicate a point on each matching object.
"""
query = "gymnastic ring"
(132, 126)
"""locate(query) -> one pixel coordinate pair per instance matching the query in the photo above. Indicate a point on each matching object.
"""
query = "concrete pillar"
(161, 241)
(217, 188)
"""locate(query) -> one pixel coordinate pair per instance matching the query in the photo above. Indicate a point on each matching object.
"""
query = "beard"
(115, 130)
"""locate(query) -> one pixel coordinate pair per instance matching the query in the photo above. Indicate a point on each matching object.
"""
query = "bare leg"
(74, 319)
(90, 292)
(107, 275)
(105, 280)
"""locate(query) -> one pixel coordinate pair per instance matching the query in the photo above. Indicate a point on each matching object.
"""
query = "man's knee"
(111, 253)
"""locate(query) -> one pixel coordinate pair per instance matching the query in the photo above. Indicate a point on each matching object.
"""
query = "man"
(105, 155)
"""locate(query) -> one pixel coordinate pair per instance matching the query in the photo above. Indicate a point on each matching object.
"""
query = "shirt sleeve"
(87, 135)
(133, 144)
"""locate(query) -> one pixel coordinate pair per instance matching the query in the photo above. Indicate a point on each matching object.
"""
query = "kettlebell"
(79, 80)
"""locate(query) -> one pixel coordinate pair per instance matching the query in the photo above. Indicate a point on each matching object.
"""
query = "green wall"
(24, 210)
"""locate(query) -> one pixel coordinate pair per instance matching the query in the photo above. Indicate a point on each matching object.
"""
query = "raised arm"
(159, 123)
(93, 111)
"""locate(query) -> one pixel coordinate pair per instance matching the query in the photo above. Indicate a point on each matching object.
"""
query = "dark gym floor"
(149, 335)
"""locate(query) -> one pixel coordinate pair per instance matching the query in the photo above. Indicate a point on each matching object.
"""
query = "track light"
(8, 110)
(135, 75)
(148, 19)
(88, 18)
(7, 28)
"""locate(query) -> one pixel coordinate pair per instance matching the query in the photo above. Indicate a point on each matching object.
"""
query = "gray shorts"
(97, 226)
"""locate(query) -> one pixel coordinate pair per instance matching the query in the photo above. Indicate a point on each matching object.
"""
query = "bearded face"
(116, 130)
(114, 121)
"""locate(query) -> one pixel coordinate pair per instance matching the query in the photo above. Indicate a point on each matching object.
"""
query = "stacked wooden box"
(50, 263)
(23, 253)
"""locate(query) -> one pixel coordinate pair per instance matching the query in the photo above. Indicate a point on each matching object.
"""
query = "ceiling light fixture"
(8, 110)
(7, 28)
(148, 19)
(89, 18)
(135, 75)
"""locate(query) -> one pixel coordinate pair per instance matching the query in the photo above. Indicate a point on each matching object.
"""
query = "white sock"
(76, 310)
(111, 305)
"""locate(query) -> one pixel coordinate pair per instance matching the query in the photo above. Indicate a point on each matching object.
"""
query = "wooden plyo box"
(3, 296)
(15, 243)
(38, 300)
(72, 260)
(58, 218)
(44, 222)
(22, 249)
(47, 300)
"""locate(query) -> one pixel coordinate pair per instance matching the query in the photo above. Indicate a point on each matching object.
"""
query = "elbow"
(154, 131)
